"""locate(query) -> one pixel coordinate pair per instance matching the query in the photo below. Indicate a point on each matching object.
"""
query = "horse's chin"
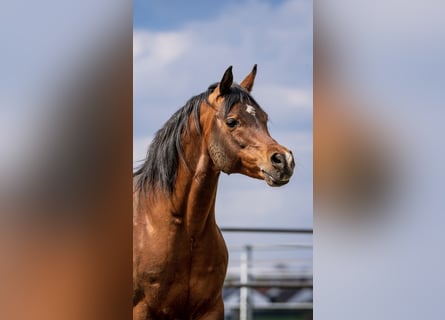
(272, 181)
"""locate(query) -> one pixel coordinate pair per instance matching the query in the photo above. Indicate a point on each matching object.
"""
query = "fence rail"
(286, 306)
(267, 230)
(267, 284)
(246, 282)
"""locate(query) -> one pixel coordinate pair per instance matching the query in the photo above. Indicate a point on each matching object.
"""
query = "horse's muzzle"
(281, 169)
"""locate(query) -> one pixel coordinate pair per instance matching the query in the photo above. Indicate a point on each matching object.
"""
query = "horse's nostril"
(278, 160)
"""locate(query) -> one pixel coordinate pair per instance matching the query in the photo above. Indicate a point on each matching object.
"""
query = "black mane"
(161, 164)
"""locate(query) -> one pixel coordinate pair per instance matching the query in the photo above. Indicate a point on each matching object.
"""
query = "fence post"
(245, 297)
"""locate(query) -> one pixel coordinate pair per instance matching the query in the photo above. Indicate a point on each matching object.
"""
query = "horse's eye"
(232, 123)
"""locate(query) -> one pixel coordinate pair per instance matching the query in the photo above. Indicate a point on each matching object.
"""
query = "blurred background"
(65, 164)
(378, 160)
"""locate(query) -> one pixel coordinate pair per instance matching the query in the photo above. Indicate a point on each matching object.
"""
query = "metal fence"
(250, 276)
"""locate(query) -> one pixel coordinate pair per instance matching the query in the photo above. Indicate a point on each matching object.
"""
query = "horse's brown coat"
(179, 255)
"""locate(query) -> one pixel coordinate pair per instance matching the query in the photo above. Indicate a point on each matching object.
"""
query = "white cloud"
(285, 95)
(140, 147)
(156, 50)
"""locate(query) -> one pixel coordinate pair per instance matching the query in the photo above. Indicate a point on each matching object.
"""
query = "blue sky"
(173, 14)
(179, 49)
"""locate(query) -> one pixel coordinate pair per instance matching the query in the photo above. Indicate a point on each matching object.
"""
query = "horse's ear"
(226, 81)
(222, 87)
(249, 80)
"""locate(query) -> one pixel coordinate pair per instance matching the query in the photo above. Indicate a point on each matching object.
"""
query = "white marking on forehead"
(250, 110)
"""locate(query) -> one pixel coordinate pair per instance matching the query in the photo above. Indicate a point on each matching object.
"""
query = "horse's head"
(238, 138)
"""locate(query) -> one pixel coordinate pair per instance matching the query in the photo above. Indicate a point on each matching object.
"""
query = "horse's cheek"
(218, 156)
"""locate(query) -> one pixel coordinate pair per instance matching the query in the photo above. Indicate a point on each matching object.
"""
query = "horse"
(179, 254)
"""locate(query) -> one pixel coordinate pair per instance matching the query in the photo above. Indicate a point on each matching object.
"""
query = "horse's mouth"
(273, 181)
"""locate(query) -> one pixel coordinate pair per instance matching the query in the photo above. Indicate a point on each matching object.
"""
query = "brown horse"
(179, 254)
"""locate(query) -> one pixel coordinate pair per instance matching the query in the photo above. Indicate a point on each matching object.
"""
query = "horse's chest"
(183, 280)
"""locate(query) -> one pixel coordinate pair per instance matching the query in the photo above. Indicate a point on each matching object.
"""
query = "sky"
(180, 49)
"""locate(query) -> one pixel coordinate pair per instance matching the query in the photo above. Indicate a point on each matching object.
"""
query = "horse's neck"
(191, 206)
(194, 196)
